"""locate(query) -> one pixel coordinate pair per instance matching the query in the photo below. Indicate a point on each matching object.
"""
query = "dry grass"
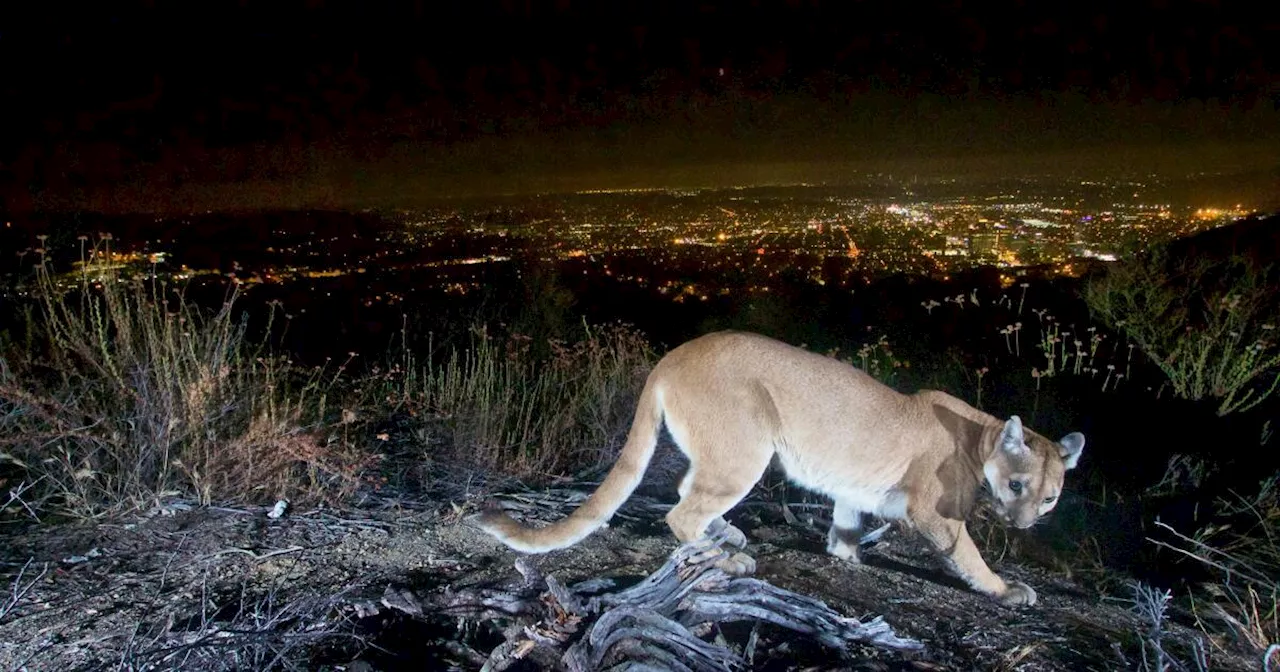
(134, 393)
(126, 392)
(1244, 601)
(530, 412)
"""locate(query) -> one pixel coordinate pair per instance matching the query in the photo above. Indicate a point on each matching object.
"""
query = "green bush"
(1210, 326)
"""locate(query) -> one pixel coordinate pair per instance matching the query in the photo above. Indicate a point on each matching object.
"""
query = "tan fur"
(733, 400)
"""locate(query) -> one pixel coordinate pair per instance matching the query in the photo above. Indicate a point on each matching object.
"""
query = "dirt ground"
(218, 588)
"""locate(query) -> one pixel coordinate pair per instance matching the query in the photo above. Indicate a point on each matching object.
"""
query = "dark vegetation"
(119, 394)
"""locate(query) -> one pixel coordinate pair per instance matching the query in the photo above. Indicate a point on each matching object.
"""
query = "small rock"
(279, 509)
(365, 609)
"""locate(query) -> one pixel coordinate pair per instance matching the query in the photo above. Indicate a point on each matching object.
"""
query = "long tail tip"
(497, 522)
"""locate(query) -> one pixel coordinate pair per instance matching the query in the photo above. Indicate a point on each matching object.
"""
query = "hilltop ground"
(185, 587)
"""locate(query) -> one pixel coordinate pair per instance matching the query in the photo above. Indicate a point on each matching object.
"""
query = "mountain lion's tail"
(601, 505)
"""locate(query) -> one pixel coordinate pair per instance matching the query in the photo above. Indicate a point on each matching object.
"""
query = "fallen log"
(657, 624)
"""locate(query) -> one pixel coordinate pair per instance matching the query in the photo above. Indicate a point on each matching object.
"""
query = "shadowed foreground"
(219, 588)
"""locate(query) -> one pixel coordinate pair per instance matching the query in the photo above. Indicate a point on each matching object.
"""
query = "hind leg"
(705, 500)
(701, 512)
(733, 536)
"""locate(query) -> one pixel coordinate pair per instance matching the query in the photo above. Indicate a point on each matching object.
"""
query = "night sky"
(179, 105)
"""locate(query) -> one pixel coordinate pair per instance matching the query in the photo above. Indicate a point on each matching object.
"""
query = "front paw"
(738, 564)
(844, 550)
(1017, 594)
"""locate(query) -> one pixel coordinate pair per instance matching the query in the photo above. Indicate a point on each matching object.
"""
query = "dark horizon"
(162, 108)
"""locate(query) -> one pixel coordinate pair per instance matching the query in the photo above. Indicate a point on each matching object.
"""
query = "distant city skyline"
(683, 244)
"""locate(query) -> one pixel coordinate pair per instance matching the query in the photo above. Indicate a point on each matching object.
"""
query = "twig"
(1252, 574)
(18, 591)
(251, 554)
(15, 495)
(320, 517)
(228, 509)
(164, 575)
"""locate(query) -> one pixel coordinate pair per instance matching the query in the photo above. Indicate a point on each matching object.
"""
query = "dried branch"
(655, 624)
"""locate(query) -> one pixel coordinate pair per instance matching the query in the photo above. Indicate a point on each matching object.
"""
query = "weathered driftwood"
(656, 624)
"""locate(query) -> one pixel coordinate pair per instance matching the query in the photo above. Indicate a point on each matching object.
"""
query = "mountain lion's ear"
(1011, 437)
(1072, 446)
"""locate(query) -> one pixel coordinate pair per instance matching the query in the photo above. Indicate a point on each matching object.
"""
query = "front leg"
(952, 539)
(845, 532)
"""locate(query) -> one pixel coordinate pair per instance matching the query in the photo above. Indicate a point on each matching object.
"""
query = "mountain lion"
(733, 400)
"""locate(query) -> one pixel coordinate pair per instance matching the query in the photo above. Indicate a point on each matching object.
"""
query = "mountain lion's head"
(1026, 470)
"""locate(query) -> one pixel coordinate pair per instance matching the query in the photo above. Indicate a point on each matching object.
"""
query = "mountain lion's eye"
(1016, 487)
(1050, 500)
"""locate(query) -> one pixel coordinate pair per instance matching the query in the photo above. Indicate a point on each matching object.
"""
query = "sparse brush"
(1209, 326)
(137, 394)
(247, 632)
(1245, 556)
(516, 412)
(1182, 474)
